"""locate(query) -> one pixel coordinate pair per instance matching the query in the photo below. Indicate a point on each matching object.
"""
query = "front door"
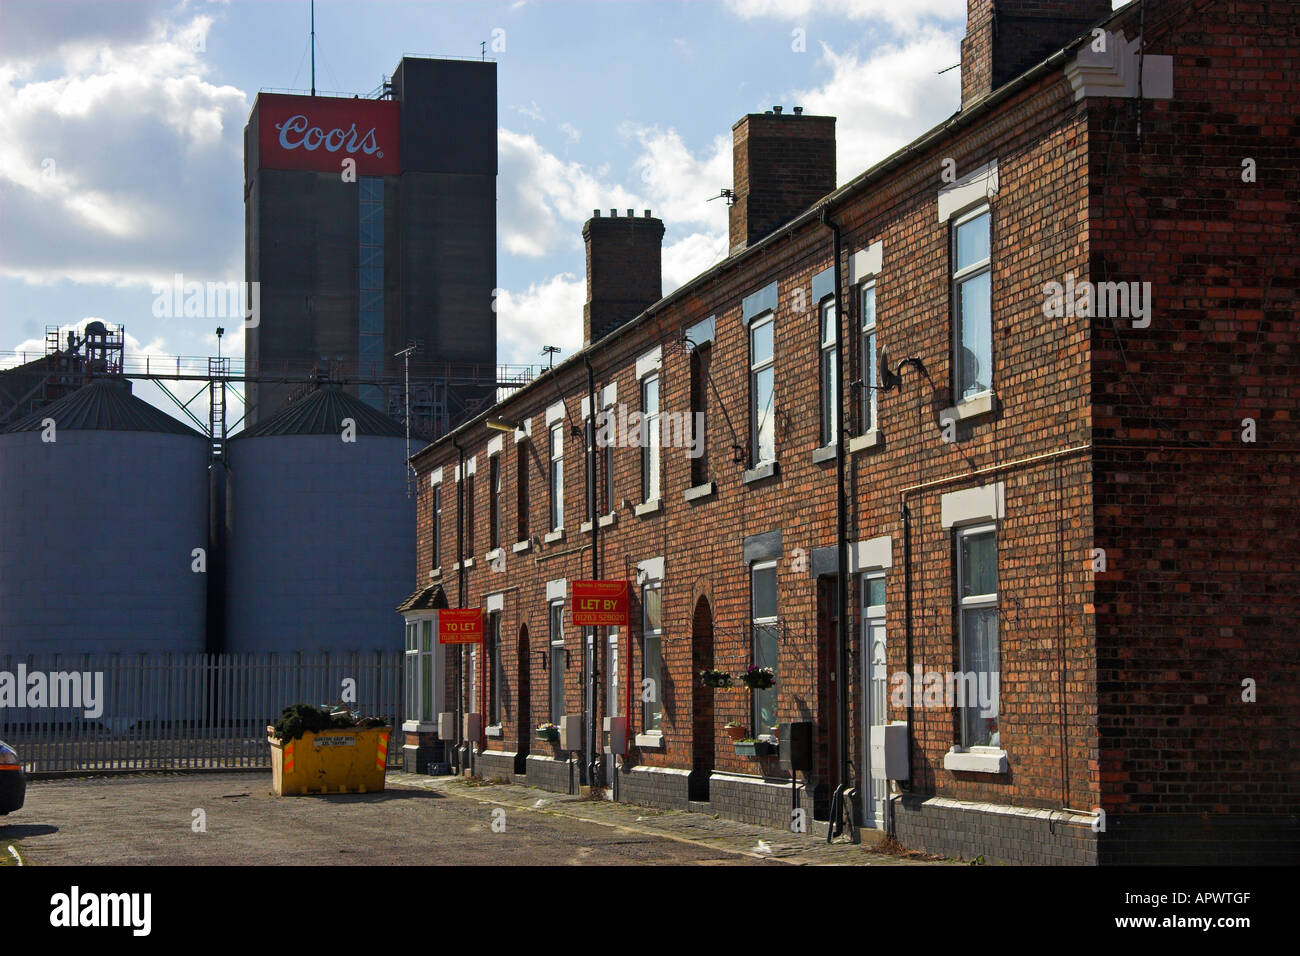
(875, 694)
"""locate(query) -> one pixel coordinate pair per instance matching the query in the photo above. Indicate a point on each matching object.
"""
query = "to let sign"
(600, 603)
(460, 626)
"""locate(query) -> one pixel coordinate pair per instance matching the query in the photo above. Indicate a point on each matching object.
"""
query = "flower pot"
(759, 683)
(552, 735)
(754, 748)
(735, 733)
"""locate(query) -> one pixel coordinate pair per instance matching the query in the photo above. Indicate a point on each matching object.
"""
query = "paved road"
(148, 819)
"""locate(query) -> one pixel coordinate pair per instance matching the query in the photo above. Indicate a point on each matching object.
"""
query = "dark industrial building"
(357, 261)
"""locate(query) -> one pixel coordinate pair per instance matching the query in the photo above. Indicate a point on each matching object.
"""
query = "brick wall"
(1198, 525)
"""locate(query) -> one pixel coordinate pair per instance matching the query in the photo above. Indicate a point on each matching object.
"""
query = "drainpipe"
(589, 718)
(907, 629)
(460, 589)
(841, 671)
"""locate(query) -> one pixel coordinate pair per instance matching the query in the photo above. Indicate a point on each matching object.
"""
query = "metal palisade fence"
(65, 712)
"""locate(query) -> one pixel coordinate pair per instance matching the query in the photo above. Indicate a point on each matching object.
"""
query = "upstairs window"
(494, 504)
(830, 375)
(469, 515)
(869, 378)
(557, 477)
(436, 508)
(762, 391)
(700, 360)
(972, 304)
(650, 438)
(521, 491)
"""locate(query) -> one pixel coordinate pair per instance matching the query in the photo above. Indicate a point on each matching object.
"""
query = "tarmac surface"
(215, 819)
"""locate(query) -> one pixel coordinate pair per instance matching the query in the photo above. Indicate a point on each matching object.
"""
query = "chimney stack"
(624, 270)
(1006, 37)
(782, 164)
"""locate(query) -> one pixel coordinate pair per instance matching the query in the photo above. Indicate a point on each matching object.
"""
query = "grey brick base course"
(654, 787)
(999, 834)
(766, 802)
(552, 774)
(495, 764)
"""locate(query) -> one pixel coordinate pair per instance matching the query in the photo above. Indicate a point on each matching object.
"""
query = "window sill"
(650, 741)
(494, 731)
(977, 406)
(648, 507)
(494, 554)
(436, 573)
(519, 547)
(584, 528)
(469, 563)
(976, 760)
(608, 520)
(554, 536)
(760, 472)
(419, 727)
(871, 438)
(824, 454)
(700, 492)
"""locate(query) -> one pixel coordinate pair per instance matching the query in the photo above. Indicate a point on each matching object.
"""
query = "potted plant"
(759, 678)
(734, 730)
(548, 731)
(716, 678)
(749, 747)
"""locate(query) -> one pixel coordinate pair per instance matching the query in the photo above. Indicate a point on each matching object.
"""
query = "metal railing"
(180, 711)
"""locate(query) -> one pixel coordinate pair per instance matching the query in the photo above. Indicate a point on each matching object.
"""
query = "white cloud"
(884, 101)
(571, 132)
(902, 15)
(113, 138)
(546, 313)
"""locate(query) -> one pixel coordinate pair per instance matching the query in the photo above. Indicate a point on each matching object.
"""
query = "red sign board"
(460, 626)
(319, 132)
(600, 603)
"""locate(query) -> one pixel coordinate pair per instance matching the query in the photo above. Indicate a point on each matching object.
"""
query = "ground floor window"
(419, 671)
(764, 635)
(557, 661)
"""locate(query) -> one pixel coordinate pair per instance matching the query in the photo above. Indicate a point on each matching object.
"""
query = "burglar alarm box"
(617, 728)
(796, 745)
(473, 726)
(889, 751)
(447, 725)
(571, 732)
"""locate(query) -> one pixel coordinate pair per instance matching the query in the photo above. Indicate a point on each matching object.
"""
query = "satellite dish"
(885, 376)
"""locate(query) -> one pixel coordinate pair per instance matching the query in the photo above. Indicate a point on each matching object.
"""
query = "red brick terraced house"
(1029, 388)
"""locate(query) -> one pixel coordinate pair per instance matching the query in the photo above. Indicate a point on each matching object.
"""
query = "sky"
(121, 156)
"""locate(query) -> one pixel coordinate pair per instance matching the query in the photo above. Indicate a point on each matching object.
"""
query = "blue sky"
(121, 162)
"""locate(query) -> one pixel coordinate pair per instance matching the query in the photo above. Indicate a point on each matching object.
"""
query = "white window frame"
(974, 602)
(415, 660)
(829, 400)
(959, 278)
(757, 622)
(555, 475)
(755, 368)
(651, 453)
(556, 659)
(656, 634)
(867, 336)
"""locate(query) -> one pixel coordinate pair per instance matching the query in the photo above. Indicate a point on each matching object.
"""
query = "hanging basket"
(759, 678)
(717, 679)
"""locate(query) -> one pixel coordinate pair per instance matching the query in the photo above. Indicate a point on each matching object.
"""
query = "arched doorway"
(703, 733)
(524, 712)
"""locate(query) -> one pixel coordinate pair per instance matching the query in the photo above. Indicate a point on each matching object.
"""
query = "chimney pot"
(798, 111)
(595, 214)
(629, 214)
(647, 213)
(613, 214)
(776, 110)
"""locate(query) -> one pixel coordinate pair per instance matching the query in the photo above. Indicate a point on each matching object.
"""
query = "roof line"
(957, 121)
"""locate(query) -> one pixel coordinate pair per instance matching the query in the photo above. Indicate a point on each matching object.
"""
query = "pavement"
(233, 819)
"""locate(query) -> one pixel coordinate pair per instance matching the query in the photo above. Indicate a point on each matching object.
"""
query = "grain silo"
(103, 501)
(320, 531)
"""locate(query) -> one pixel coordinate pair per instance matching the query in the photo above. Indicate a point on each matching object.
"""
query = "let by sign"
(460, 626)
(600, 603)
